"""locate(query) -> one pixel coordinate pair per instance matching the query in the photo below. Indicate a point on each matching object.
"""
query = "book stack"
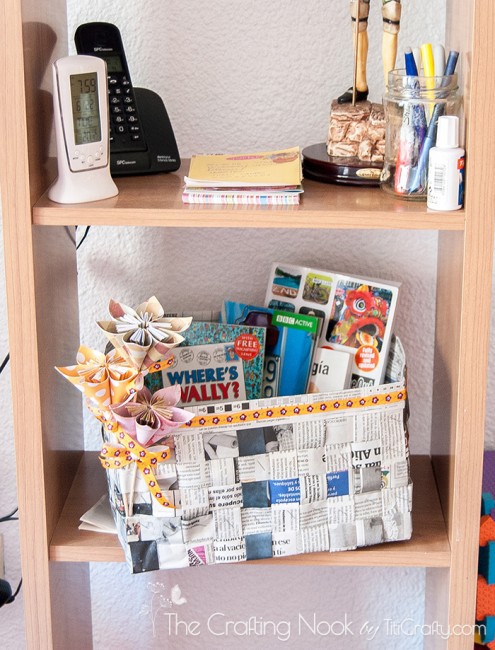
(264, 178)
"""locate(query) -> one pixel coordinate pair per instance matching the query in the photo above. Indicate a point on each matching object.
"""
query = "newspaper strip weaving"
(271, 478)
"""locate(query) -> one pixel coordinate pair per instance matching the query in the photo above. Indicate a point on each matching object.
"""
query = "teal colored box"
(487, 503)
(486, 562)
(487, 629)
(290, 343)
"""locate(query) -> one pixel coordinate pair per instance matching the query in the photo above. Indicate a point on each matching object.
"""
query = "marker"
(405, 152)
(418, 111)
(411, 67)
(451, 63)
(412, 130)
(428, 60)
(417, 58)
(428, 67)
(439, 59)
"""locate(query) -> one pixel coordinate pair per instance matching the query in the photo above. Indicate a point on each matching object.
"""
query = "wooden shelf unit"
(57, 480)
(429, 546)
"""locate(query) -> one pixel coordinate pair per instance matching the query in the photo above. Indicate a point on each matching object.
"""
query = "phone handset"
(104, 41)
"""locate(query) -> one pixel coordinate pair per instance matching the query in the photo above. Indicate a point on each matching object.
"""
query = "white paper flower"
(143, 335)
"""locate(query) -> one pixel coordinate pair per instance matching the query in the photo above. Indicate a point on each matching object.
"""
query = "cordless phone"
(142, 140)
(104, 41)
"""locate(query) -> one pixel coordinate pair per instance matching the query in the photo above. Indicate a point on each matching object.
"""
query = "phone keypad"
(125, 128)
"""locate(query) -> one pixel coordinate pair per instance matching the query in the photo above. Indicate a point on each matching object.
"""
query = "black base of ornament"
(319, 166)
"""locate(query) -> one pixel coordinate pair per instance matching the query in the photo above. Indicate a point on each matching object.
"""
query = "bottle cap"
(448, 132)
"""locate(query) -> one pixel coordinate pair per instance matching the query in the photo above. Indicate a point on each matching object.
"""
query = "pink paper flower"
(150, 418)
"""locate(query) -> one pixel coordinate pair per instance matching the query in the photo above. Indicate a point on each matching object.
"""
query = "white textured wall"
(207, 273)
(11, 616)
(245, 76)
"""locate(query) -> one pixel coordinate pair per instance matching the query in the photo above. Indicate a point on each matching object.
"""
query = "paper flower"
(104, 379)
(143, 335)
(149, 418)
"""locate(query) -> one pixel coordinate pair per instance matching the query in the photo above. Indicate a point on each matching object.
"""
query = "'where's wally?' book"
(216, 363)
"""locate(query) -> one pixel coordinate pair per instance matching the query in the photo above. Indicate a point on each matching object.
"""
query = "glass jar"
(412, 108)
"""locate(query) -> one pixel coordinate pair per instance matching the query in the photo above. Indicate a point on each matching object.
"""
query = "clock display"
(85, 108)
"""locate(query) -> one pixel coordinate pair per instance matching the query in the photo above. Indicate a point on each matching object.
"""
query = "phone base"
(162, 154)
(82, 187)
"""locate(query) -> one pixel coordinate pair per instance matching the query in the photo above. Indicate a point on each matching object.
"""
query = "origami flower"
(103, 379)
(143, 335)
(149, 418)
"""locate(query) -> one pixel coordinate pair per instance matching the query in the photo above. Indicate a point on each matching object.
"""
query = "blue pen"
(407, 135)
(412, 131)
(451, 63)
(418, 111)
(419, 179)
(411, 69)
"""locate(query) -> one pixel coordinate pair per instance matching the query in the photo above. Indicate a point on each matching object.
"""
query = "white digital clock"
(80, 103)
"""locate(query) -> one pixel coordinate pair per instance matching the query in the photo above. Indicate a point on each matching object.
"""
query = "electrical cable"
(83, 237)
(6, 595)
(12, 598)
(4, 362)
(10, 516)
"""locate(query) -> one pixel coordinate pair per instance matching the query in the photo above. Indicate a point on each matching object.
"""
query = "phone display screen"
(114, 63)
(85, 108)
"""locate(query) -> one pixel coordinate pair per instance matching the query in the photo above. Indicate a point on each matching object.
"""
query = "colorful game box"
(358, 313)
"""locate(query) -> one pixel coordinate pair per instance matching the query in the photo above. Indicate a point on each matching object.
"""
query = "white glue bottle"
(446, 167)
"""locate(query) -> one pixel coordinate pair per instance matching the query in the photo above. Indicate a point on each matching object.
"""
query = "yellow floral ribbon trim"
(291, 410)
(113, 457)
(160, 365)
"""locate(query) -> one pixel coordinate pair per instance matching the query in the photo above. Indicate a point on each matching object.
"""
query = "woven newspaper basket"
(268, 478)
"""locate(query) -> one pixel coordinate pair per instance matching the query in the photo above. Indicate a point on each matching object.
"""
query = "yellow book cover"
(268, 168)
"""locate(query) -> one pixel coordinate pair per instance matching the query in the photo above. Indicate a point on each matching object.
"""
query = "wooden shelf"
(429, 546)
(155, 200)
(42, 296)
(70, 544)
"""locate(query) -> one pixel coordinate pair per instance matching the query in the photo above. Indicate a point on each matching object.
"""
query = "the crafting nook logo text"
(162, 609)
(221, 625)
